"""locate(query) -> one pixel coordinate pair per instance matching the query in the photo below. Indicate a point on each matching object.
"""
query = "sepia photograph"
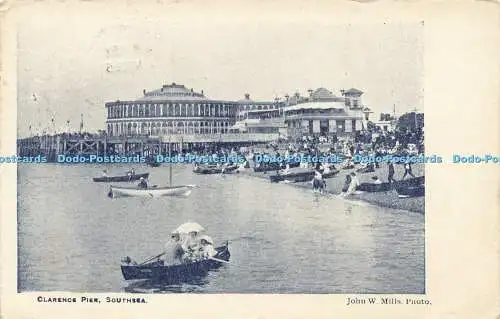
(166, 157)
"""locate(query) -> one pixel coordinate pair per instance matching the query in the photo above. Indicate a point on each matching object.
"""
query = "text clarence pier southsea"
(93, 300)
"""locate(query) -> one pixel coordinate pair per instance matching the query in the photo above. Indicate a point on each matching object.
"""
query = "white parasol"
(188, 227)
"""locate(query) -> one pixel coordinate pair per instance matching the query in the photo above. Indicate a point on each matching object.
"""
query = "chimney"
(144, 91)
(201, 92)
(247, 96)
(342, 92)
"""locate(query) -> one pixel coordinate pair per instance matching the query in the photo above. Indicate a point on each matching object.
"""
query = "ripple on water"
(282, 239)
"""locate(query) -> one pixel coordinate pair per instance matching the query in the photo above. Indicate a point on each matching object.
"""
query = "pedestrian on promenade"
(390, 178)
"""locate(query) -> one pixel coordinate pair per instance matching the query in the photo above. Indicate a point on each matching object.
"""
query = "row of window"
(171, 110)
(162, 128)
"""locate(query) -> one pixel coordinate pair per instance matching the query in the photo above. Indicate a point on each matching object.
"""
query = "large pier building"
(174, 117)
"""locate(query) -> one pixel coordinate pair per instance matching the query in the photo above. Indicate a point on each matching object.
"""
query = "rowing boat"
(157, 270)
(124, 178)
(300, 175)
(385, 187)
(411, 191)
(214, 170)
(121, 191)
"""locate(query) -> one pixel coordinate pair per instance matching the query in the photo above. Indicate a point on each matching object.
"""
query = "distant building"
(387, 126)
(172, 109)
(323, 113)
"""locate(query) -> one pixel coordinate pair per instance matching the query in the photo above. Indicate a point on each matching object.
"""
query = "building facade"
(323, 113)
(172, 109)
(181, 114)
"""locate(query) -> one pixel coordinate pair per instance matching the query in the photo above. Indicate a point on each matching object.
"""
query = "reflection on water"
(283, 239)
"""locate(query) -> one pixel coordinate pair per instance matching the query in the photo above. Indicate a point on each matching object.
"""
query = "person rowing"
(174, 251)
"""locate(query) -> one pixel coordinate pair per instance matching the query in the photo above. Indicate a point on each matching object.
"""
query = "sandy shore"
(385, 199)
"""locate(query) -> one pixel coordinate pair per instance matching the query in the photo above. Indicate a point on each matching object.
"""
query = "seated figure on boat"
(174, 251)
(131, 172)
(142, 184)
(206, 249)
(190, 246)
(376, 180)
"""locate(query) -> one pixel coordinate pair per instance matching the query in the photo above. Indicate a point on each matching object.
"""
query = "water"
(283, 239)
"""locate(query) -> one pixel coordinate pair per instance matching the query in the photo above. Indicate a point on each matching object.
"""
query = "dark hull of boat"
(269, 167)
(299, 177)
(412, 191)
(384, 187)
(120, 178)
(175, 273)
(154, 164)
(214, 170)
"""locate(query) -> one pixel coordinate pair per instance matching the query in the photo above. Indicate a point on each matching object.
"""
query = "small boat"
(124, 178)
(385, 187)
(215, 170)
(273, 166)
(411, 191)
(299, 175)
(154, 191)
(156, 270)
(151, 161)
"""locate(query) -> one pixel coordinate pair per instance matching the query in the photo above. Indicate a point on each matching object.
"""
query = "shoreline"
(388, 199)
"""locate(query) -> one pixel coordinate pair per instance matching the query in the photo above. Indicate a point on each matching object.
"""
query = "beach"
(385, 199)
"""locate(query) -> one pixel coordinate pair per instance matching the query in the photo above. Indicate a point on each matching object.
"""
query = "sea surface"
(283, 239)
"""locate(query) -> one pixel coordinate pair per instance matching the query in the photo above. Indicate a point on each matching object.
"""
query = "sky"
(72, 64)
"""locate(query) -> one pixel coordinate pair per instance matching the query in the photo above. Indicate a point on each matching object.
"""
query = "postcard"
(284, 159)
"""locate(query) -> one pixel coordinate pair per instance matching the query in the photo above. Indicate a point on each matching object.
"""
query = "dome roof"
(172, 92)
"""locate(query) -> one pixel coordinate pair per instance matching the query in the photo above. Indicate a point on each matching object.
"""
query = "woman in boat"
(142, 184)
(190, 246)
(206, 249)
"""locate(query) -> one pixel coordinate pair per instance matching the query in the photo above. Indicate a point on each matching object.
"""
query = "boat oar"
(154, 257)
(219, 260)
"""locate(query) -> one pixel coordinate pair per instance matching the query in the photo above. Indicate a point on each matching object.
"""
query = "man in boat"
(131, 172)
(174, 250)
(142, 184)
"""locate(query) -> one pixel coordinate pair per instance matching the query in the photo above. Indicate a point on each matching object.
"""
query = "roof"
(249, 101)
(353, 91)
(316, 106)
(172, 92)
(322, 94)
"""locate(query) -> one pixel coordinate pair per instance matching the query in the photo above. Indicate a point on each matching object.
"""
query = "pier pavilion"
(323, 113)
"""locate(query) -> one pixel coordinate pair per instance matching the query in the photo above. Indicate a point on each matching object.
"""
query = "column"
(348, 126)
(332, 126)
